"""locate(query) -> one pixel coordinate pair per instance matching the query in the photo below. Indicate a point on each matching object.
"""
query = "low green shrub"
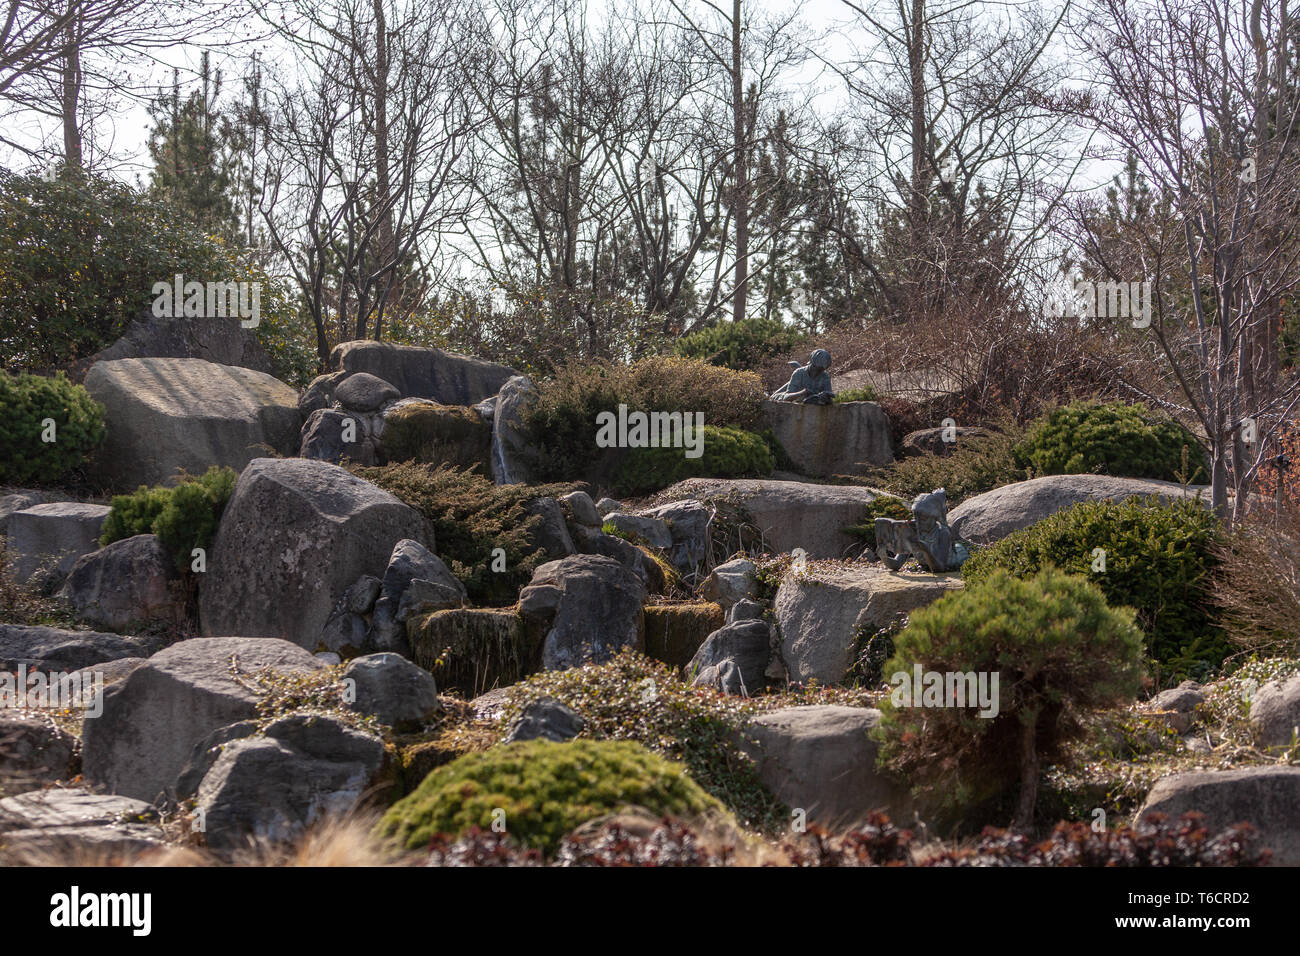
(635, 698)
(562, 423)
(978, 464)
(48, 426)
(544, 789)
(183, 517)
(740, 345)
(727, 453)
(1114, 439)
(1058, 651)
(471, 517)
(1159, 561)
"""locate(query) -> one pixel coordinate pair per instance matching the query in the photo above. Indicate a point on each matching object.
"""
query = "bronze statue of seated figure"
(810, 384)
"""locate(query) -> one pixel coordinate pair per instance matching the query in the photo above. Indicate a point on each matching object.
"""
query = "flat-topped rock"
(168, 414)
(823, 612)
(823, 440)
(790, 514)
(423, 372)
(995, 514)
(45, 541)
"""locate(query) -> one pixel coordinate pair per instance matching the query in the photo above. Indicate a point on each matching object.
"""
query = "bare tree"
(1196, 91)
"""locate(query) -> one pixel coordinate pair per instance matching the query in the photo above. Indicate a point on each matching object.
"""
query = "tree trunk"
(70, 97)
(917, 200)
(383, 263)
(741, 184)
(1024, 819)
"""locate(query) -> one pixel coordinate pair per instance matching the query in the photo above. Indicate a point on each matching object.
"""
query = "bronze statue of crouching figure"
(927, 537)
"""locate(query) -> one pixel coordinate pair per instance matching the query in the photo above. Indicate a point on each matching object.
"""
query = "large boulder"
(223, 341)
(270, 787)
(822, 760)
(50, 649)
(45, 541)
(1265, 797)
(788, 514)
(1275, 712)
(152, 720)
(130, 581)
(590, 606)
(295, 535)
(511, 450)
(992, 516)
(423, 372)
(824, 440)
(168, 414)
(823, 613)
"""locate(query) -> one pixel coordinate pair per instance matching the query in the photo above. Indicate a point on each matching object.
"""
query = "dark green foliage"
(740, 345)
(728, 453)
(1159, 561)
(883, 506)
(545, 789)
(1111, 439)
(562, 423)
(978, 464)
(470, 517)
(78, 260)
(183, 517)
(26, 402)
(1059, 650)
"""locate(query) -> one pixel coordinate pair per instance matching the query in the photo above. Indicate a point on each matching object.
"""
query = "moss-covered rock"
(430, 433)
(674, 632)
(474, 649)
(540, 791)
